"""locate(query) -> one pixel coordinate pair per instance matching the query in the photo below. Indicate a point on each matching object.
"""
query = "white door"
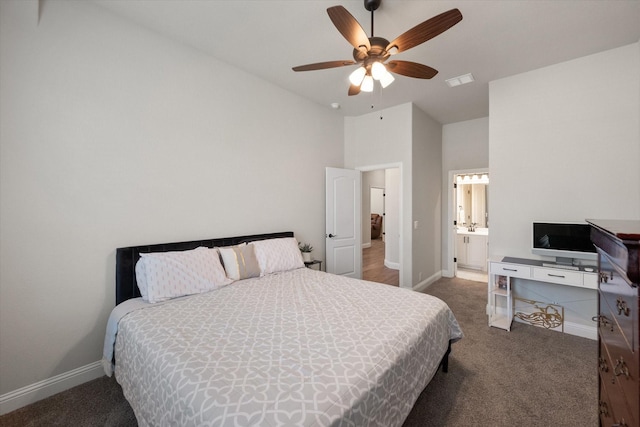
(343, 222)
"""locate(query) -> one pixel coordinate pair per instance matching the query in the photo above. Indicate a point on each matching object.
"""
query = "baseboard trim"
(423, 285)
(366, 245)
(391, 265)
(583, 331)
(42, 389)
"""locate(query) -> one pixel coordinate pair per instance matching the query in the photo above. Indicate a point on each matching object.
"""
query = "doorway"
(381, 237)
(470, 219)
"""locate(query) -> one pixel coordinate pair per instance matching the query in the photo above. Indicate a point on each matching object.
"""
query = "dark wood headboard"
(126, 258)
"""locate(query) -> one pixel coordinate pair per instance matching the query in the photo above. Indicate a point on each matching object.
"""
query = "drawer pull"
(603, 277)
(604, 409)
(621, 368)
(602, 321)
(509, 269)
(555, 275)
(620, 423)
(622, 307)
(603, 365)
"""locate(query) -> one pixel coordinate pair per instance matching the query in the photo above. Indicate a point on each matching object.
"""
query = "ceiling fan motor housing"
(371, 5)
(377, 52)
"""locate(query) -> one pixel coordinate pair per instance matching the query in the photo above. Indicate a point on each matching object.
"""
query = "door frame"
(395, 165)
(449, 267)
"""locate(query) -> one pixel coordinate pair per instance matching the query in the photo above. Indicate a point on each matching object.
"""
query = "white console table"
(502, 272)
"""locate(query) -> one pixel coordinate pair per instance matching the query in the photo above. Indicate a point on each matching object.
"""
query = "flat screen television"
(567, 242)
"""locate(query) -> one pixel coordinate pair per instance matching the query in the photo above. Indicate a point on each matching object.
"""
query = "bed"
(292, 347)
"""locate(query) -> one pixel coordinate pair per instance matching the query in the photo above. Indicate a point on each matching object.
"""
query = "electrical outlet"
(415, 225)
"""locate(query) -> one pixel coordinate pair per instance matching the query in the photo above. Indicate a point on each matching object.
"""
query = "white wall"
(427, 198)
(407, 137)
(465, 146)
(379, 140)
(564, 146)
(112, 136)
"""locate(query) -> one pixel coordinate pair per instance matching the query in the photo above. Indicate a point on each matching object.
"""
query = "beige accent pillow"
(240, 261)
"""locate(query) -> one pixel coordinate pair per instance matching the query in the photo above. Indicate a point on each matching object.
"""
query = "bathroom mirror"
(472, 203)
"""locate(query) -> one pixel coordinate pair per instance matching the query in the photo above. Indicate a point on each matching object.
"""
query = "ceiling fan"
(372, 52)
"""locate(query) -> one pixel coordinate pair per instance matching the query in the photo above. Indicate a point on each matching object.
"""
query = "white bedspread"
(301, 348)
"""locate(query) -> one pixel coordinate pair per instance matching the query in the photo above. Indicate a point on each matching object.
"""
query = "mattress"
(298, 348)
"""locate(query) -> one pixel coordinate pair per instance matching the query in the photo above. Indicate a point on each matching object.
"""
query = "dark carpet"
(527, 377)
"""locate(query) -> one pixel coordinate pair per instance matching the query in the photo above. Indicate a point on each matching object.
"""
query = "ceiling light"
(460, 80)
(378, 70)
(386, 79)
(356, 77)
(367, 84)
(473, 179)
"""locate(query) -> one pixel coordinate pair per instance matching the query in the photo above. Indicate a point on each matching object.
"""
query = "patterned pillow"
(240, 261)
(276, 255)
(174, 274)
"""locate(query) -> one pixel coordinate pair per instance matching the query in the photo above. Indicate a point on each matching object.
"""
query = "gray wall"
(114, 136)
(564, 146)
(404, 137)
(465, 146)
(427, 198)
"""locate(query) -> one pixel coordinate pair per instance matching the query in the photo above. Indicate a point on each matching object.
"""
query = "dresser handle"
(604, 409)
(602, 321)
(622, 307)
(620, 423)
(621, 368)
(603, 277)
(555, 275)
(603, 365)
(509, 269)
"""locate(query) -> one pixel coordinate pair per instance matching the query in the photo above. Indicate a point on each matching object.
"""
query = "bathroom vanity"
(471, 248)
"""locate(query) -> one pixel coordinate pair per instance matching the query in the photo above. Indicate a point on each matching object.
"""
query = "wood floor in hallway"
(373, 268)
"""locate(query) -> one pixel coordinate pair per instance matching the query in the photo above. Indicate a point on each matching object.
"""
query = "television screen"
(562, 237)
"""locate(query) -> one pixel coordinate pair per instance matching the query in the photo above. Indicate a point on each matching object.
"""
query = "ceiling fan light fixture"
(378, 70)
(356, 77)
(367, 84)
(386, 79)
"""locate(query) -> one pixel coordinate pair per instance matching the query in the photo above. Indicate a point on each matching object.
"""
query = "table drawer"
(513, 270)
(559, 276)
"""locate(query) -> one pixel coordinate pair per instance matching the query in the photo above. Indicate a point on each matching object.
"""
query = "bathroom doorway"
(470, 231)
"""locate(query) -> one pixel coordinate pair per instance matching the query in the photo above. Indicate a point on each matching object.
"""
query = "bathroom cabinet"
(472, 250)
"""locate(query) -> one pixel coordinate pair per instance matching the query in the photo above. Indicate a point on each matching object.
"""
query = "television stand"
(501, 275)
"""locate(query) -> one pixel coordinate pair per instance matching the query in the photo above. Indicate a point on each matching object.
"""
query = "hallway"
(373, 268)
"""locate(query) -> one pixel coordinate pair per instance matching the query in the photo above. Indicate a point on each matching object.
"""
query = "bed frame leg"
(445, 359)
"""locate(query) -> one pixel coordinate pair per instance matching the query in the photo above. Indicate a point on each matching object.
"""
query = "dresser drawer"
(615, 404)
(513, 270)
(622, 303)
(605, 408)
(559, 276)
(618, 364)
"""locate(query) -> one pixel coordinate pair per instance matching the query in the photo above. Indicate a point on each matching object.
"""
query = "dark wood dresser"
(618, 245)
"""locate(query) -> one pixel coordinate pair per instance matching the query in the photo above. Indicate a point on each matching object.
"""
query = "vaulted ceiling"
(495, 39)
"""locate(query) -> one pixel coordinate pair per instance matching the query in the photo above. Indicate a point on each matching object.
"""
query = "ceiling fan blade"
(354, 90)
(323, 65)
(349, 27)
(425, 31)
(411, 69)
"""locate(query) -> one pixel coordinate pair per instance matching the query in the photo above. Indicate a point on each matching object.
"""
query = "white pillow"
(240, 261)
(276, 255)
(174, 274)
(141, 278)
